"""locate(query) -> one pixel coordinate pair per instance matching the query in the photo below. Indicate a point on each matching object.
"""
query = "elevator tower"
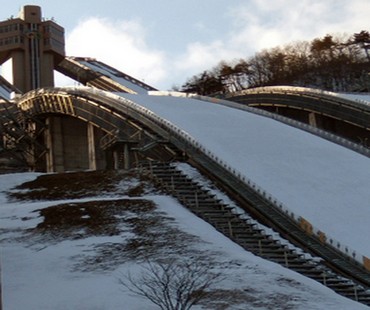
(35, 45)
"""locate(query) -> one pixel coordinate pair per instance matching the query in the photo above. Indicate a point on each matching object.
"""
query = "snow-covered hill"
(54, 255)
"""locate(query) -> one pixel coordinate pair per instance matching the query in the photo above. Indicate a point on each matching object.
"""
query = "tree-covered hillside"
(331, 63)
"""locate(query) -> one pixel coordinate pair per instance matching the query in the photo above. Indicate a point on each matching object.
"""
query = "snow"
(39, 276)
(114, 75)
(323, 182)
(361, 98)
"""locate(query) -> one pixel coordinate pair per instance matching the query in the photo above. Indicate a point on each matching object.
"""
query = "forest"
(333, 63)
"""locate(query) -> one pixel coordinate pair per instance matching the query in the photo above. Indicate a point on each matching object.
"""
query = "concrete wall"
(73, 145)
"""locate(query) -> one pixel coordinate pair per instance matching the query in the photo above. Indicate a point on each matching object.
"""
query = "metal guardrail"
(294, 90)
(344, 109)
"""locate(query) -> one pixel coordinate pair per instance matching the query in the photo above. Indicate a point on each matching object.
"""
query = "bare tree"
(172, 285)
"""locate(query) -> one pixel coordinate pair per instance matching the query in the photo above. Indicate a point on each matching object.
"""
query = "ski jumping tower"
(35, 46)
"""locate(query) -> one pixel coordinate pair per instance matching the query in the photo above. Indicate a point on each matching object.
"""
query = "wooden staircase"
(248, 233)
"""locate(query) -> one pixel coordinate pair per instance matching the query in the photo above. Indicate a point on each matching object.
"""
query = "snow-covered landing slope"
(325, 183)
(41, 274)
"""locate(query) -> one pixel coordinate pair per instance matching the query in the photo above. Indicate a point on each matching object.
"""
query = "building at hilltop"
(35, 46)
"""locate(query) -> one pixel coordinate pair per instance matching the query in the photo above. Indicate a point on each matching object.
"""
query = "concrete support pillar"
(54, 143)
(312, 119)
(58, 145)
(47, 76)
(20, 66)
(91, 146)
(116, 159)
(126, 154)
(49, 145)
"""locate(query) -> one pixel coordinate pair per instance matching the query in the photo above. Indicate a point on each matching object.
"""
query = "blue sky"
(165, 42)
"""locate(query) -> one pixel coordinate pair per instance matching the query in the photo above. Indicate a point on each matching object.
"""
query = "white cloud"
(260, 24)
(250, 27)
(358, 15)
(199, 57)
(203, 56)
(123, 46)
(119, 44)
(265, 24)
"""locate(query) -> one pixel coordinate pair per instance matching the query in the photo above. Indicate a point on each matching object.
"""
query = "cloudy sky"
(165, 42)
